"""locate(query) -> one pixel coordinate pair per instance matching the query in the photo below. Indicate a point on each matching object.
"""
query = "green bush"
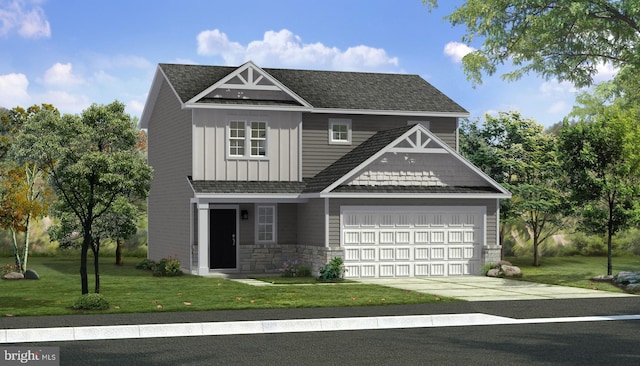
(589, 245)
(333, 271)
(90, 302)
(168, 267)
(146, 264)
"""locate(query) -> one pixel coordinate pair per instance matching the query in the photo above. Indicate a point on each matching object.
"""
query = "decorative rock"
(511, 271)
(13, 276)
(633, 288)
(493, 272)
(31, 275)
(625, 278)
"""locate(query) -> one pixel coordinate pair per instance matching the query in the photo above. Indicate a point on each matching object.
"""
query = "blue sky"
(76, 52)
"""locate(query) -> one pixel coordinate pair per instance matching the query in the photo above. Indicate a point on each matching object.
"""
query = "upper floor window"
(247, 138)
(340, 131)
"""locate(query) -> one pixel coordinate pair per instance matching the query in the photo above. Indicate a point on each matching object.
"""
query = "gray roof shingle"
(328, 89)
(354, 158)
(222, 186)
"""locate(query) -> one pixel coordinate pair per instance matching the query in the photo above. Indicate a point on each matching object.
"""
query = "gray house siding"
(210, 144)
(169, 152)
(317, 153)
(335, 204)
(311, 222)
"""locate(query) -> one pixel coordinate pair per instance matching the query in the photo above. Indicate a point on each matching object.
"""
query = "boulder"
(625, 278)
(493, 272)
(511, 271)
(633, 288)
(13, 276)
(31, 275)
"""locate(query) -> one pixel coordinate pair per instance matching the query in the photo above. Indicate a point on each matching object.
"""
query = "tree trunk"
(25, 249)
(16, 253)
(119, 245)
(96, 264)
(503, 228)
(609, 253)
(86, 242)
(536, 260)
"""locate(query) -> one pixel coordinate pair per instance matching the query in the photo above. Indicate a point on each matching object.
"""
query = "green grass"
(130, 290)
(574, 271)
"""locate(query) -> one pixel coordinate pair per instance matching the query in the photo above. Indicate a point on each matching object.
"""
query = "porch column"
(203, 239)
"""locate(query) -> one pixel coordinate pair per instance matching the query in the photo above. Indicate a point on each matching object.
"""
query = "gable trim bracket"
(418, 147)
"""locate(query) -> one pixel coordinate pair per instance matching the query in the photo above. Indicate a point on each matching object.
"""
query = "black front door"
(222, 248)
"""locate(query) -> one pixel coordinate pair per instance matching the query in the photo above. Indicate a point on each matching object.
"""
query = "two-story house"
(254, 167)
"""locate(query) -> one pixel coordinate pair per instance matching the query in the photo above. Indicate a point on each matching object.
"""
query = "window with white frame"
(236, 138)
(247, 138)
(339, 131)
(266, 223)
(258, 138)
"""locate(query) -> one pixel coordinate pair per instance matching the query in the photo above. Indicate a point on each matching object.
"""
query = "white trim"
(274, 224)
(416, 128)
(385, 112)
(253, 67)
(406, 195)
(300, 151)
(339, 121)
(326, 222)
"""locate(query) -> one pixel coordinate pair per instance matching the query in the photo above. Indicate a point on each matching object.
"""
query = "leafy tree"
(93, 162)
(514, 151)
(602, 160)
(565, 39)
(24, 196)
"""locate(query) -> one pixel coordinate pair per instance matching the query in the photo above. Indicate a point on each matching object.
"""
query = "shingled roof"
(328, 89)
(354, 158)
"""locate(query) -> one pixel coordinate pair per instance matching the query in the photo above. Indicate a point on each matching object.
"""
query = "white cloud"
(559, 107)
(24, 16)
(61, 74)
(284, 48)
(66, 102)
(457, 51)
(606, 71)
(555, 88)
(13, 90)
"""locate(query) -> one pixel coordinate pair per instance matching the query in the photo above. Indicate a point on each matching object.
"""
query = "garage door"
(412, 241)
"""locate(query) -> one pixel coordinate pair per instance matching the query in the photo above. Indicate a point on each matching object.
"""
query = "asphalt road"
(583, 343)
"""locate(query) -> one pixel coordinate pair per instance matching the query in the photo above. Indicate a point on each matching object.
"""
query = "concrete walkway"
(479, 288)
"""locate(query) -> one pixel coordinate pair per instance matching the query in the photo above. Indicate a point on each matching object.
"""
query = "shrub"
(10, 268)
(333, 271)
(168, 267)
(589, 245)
(90, 302)
(146, 264)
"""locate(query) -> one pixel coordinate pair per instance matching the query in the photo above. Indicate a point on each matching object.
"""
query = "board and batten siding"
(335, 204)
(169, 154)
(210, 160)
(317, 153)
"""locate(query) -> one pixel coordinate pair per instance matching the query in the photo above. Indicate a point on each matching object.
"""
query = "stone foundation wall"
(490, 254)
(268, 258)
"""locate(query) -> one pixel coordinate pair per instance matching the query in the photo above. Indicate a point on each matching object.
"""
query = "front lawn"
(575, 271)
(131, 290)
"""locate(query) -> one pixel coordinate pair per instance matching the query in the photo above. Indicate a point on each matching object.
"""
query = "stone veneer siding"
(268, 258)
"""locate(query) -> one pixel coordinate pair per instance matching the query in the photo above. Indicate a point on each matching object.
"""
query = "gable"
(248, 85)
(413, 161)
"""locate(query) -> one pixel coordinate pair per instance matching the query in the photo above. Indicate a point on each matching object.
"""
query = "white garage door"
(405, 241)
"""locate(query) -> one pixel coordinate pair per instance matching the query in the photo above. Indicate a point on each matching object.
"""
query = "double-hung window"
(266, 223)
(247, 138)
(340, 131)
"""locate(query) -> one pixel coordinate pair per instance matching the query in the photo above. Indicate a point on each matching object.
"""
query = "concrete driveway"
(480, 288)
